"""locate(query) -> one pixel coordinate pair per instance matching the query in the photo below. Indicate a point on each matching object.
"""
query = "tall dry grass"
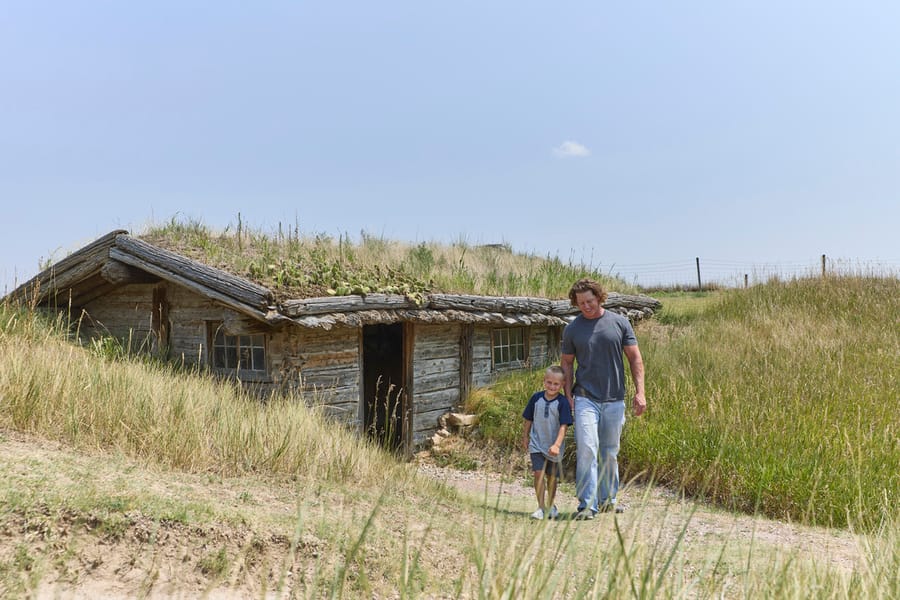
(161, 414)
(182, 421)
(781, 398)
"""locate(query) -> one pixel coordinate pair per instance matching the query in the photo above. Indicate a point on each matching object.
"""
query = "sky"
(636, 138)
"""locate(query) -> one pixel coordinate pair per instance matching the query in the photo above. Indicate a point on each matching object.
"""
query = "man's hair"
(556, 370)
(586, 285)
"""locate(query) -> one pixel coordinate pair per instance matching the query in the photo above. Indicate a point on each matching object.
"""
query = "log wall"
(124, 313)
(322, 365)
(436, 383)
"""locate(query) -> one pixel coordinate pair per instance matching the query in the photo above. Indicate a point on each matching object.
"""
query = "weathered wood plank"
(329, 304)
(64, 273)
(436, 399)
(243, 290)
(517, 304)
(431, 367)
(192, 285)
(119, 273)
(437, 381)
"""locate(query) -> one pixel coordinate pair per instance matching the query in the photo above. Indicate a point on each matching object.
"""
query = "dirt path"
(661, 508)
(162, 558)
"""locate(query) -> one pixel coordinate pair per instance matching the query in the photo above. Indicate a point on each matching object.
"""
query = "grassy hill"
(126, 478)
(780, 399)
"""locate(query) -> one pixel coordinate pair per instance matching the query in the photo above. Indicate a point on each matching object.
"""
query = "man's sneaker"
(585, 514)
(538, 515)
(554, 513)
(613, 508)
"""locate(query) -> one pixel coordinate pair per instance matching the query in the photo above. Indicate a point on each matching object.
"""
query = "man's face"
(588, 304)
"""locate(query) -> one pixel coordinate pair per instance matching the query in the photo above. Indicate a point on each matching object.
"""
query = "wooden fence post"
(699, 285)
(823, 265)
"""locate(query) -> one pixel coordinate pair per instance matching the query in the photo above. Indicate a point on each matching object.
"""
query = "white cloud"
(571, 149)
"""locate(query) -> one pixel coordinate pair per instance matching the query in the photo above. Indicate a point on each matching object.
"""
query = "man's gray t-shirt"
(597, 345)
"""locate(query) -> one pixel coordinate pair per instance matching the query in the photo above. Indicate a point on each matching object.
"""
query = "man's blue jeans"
(598, 431)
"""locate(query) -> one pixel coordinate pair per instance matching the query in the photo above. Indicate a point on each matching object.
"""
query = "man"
(597, 339)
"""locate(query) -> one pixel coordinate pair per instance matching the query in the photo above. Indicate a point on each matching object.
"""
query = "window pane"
(259, 359)
(243, 352)
(244, 356)
(219, 358)
(230, 358)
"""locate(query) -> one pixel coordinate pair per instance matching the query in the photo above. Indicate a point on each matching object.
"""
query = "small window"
(508, 346)
(239, 353)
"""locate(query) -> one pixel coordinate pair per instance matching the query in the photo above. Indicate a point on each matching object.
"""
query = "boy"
(547, 416)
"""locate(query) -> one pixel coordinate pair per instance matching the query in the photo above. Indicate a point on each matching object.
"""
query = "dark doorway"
(384, 402)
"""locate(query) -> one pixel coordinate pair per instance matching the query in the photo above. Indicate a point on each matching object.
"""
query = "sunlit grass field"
(778, 399)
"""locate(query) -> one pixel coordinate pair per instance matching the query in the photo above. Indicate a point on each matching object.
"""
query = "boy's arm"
(554, 449)
(526, 434)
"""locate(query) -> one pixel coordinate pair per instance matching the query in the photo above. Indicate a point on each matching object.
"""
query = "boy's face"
(552, 384)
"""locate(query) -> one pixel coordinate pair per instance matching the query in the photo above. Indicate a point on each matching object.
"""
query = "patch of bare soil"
(51, 552)
(669, 514)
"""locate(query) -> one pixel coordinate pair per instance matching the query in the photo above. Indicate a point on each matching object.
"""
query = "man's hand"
(640, 404)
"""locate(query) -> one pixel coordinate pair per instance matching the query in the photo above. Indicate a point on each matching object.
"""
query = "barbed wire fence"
(698, 272)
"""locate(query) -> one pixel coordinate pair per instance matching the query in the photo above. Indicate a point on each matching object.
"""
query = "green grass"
(782, 398)
(296, 264)
(748, 406)
(779, 399)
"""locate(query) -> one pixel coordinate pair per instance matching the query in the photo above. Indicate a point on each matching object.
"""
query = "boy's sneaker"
(554, 513)
(538, 515)
(613, 508)
(585, 514)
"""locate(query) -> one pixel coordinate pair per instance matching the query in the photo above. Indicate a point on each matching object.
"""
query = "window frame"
(257, 342)
(508, 345)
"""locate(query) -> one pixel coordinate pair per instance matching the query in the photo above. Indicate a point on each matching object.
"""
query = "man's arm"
(567, 362)
(633, 354)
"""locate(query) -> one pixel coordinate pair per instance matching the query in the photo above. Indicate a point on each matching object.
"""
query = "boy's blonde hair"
(556, 370)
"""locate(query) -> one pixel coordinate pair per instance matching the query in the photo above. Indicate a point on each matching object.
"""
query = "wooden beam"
(337, 304)
(119, 273)
(514, 304)
(270, 317)
(67, 272)
(223, 283)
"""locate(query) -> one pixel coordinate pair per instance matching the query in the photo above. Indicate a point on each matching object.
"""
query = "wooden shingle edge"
(235, 292)
(75, 267)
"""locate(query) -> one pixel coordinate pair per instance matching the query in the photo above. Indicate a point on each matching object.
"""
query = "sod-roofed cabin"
(390, 364)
